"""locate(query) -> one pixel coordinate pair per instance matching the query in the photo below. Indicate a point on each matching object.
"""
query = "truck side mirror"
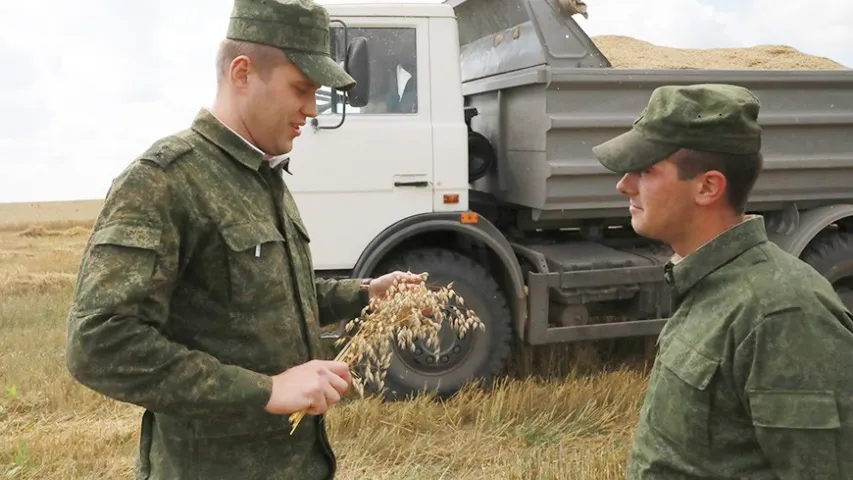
(357, 64)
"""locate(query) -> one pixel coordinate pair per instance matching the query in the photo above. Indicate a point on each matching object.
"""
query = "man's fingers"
(407, 277)
(332, 395)
(318, 403)
(324, 397)
(339, 384)
(341, 369)
(412, 278)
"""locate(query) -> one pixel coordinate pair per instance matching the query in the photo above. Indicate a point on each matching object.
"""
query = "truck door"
(353, 181)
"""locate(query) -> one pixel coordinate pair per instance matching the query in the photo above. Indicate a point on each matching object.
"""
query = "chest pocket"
(783, 418)
(304, 244)
(681, 401)
(303, 249)
(257, 264)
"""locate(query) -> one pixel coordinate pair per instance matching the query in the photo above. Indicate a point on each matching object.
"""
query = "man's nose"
(627, 185)
(310, 108)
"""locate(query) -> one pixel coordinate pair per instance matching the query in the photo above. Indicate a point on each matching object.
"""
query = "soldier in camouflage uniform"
(754, 374)
(196, 296)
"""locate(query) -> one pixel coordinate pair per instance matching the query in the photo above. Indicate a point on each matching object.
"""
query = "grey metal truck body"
(544, 95)
(543, 106)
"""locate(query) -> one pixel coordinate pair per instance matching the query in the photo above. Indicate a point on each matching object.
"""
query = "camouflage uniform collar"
(687, 272)
(223, 136)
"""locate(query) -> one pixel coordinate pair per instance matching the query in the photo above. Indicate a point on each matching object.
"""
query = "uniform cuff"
(250, 387)
(364, 292)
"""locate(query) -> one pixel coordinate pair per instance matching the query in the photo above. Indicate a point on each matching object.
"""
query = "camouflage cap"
(705, 117)
(298, 27)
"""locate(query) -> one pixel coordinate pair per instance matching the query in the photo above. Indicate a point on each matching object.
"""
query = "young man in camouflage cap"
(754, 376)
(196, 296)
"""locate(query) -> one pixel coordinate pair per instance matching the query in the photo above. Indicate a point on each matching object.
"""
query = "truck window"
(393, 72)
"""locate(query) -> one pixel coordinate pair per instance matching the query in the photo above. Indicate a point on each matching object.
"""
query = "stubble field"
(562, 412)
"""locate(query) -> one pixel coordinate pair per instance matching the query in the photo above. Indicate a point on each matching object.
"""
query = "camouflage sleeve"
(787, 371)
(127, 275)
(340, 300)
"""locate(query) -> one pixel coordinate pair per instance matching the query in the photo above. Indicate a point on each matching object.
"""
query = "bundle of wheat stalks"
(407, 312)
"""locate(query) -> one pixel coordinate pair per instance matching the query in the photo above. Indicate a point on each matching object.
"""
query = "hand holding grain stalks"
(313, 386)
(407, 312)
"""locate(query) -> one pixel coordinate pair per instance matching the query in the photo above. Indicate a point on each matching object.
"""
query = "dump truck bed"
(545, 95)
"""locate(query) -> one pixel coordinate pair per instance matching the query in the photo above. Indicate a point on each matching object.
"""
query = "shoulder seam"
(764, 318)
(166, 150)
(763, 315)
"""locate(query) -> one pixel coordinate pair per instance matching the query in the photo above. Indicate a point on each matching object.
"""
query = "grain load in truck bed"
(628, 52)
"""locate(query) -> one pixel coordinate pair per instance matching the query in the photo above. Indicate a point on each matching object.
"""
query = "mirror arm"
(314, 122)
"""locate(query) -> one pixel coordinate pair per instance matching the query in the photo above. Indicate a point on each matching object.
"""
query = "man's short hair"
(264, 57)
(741, 172)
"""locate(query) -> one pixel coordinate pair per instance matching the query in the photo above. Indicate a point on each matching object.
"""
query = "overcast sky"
(87, 85)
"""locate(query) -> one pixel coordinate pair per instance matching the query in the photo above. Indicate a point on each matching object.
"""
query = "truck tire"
(480, 356)
(831, 254)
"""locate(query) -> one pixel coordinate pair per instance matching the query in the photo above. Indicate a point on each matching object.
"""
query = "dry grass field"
(572, 420)
(17, 216)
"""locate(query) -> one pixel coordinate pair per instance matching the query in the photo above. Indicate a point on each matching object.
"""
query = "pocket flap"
(128, 235)
(243, 236)
(688, 364)
(794, 409)
(300, 227)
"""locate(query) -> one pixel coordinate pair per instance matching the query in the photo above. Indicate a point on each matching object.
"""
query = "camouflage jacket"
(195, 287)
(754, 375)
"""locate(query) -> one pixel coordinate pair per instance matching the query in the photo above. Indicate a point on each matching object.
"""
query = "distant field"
(15, 216)
(562, 412)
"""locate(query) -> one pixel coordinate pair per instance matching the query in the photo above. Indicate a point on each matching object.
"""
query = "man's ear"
(710, 188)
(238, 72)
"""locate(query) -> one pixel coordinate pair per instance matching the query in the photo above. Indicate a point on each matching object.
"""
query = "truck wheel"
(480, 355)
(831, 254)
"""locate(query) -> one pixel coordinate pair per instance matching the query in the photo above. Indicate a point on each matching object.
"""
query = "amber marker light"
(451, 198)
(470, 217)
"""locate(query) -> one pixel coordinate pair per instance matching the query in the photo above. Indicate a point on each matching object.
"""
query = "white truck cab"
(358, 170)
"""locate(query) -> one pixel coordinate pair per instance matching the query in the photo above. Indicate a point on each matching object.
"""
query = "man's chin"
(642, 230)
(284, 148)
(637, 225)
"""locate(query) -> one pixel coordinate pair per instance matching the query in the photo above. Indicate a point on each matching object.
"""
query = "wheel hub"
(452, 350)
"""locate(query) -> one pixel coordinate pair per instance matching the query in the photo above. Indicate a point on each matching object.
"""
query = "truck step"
(587, 272)
(582, 255)
(573, 281)
(571, 320)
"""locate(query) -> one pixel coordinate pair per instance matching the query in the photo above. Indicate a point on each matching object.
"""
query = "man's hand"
(313, 386)
(379, 286)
